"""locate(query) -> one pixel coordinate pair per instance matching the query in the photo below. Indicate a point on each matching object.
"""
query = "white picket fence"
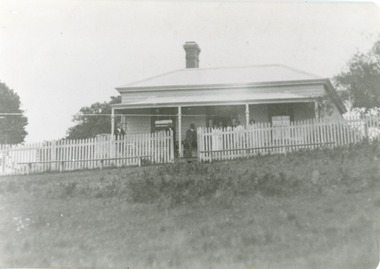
(99, 152)
(264, 138)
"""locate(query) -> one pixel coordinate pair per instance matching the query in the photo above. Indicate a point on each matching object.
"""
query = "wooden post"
(112, 142)
(316, 110)
(113, 122)
(180, 132)
(123, 123)
(2, 159)
(61, 166)
(29, 168)
(172, 143)
(53, 155)
(246, 115)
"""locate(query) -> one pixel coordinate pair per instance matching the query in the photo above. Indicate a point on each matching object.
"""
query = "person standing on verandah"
(191, 141)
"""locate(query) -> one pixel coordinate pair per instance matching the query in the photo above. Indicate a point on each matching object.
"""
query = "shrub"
(275, 175)
(186, 184)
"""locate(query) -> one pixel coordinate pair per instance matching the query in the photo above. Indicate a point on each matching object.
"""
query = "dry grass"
(91, 219)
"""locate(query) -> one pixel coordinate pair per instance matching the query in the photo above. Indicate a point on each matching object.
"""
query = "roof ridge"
(149, 78)
(300, 71)
(228, 67)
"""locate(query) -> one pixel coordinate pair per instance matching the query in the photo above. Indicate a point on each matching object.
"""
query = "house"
(217, 96)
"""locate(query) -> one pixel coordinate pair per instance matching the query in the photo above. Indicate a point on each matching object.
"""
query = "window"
(162, 118)
(162, 124)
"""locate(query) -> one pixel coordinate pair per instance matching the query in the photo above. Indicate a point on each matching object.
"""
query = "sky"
(61, 55)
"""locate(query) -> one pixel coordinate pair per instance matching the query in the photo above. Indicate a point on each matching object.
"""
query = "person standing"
(191, 140)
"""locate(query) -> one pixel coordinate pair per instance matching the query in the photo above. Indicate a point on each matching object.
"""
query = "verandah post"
(180, 132)
(172, 143)
(246, 115)
(112, 122)
(316, 110)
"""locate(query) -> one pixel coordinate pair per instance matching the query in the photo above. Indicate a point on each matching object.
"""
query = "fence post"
(61, 166)
(53, 154)
(112, 146)
(29, 168)
(2, 159)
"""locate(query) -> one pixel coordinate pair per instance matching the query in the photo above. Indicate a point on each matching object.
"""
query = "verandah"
(179, 118)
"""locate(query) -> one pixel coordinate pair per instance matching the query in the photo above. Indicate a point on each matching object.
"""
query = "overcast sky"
(62, 55)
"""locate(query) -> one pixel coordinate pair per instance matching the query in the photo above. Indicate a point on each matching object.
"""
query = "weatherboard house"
(215, 96)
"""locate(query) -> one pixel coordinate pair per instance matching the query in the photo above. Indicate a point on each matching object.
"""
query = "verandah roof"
(215, 99)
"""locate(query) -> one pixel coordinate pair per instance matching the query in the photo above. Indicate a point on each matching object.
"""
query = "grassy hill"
(316, 209)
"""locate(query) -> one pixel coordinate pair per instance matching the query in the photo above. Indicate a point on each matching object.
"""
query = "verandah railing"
(99, 152)
(263, 138)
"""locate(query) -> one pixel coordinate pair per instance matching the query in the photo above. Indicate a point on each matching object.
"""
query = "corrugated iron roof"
(224, 75)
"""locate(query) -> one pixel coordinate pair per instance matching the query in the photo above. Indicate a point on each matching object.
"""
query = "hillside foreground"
(312, 209)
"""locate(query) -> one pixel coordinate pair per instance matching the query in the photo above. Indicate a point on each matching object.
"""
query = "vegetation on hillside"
(311, 209)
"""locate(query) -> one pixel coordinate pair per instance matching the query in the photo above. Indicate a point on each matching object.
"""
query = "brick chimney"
(192, 54)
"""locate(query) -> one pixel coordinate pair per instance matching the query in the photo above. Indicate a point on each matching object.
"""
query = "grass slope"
(304, 210)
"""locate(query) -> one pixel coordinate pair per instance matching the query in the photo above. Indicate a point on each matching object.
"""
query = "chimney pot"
(192, 54)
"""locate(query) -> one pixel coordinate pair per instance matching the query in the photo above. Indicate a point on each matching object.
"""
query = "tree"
(12, 119)
(361, 81)
(92, 120)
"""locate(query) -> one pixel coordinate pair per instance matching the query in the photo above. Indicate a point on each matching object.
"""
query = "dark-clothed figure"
(171, 128)
(233, 123)
(119, 130)
(191, 140)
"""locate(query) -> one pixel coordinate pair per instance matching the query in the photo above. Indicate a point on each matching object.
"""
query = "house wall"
(241, 114)
(198, 116)
(258, 113)
(303, 111)
(138, 124)
(143, 124)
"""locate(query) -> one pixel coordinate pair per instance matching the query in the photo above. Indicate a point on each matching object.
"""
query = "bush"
(186, 184)
(275, 175)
